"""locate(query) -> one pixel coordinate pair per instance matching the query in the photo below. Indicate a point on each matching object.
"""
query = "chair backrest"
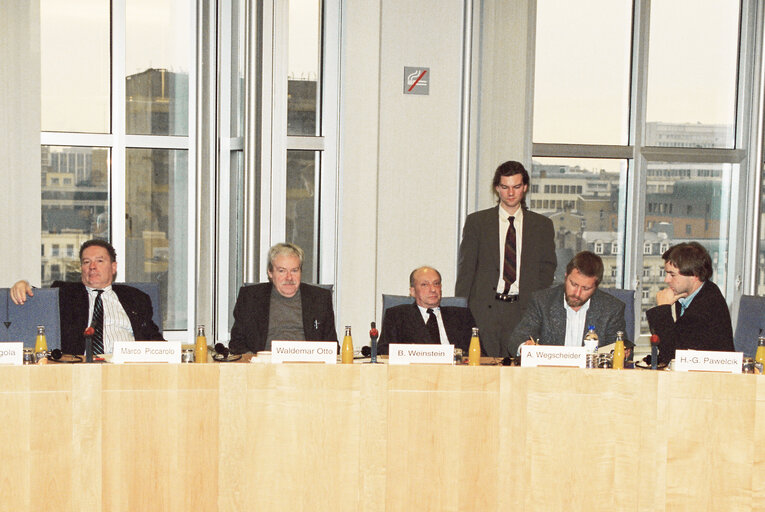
(19, 323)
(750, 324)
(628, 297)
(329, 287)
(152, 290)
(396, 300)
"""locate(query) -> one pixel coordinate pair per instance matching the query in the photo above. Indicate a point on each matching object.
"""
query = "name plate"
(553, 355)
(146, 352)
(304, 352)
(708, 361)
(414, 353)
(12, 352)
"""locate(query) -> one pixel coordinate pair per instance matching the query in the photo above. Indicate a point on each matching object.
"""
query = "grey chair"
(750, 324)
(628, 297)
(396, 300)
(329, 287)
(152, 290)
(19, 323)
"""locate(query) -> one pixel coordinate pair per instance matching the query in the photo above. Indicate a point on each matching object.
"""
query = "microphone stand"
(89, 344)
(654, 351)
(373, 344)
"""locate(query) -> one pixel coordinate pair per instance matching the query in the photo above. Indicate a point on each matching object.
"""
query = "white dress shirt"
(503, 225)
(575, 321)
(116, 322)
(440, 321)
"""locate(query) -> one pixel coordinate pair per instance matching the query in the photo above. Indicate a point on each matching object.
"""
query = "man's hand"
(19, 292)
(667, 297)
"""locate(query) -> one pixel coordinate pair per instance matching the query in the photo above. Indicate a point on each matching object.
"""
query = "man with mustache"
(282, 309)
(126, 312)
(561, 315)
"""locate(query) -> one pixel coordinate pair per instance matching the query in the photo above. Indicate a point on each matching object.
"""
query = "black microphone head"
(221, 349)
(366, 351)
(55, 354)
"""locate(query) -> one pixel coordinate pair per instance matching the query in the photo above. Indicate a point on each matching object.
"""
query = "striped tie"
(509, 268)
(98, 324)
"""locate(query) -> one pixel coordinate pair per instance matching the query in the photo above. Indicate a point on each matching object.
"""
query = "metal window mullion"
(118, 175)
(278, 149)
(329, 167)
(104, 140)
(158, 141)
(223, 243)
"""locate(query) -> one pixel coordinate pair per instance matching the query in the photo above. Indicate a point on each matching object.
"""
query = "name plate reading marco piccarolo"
(553, 355)
(406, 353)
(708, 361)
(304, 352)
(146, 352)
(12, 352)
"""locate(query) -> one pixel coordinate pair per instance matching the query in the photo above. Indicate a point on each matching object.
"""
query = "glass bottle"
(347, 352)
(759, 356)
(474, 351)
(200, 346)
(618, 361)
(41, 343)
(591, 340)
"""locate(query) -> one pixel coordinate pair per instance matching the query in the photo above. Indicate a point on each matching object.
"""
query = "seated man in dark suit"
(282, 309)
(426, 321)
(691, 313)
(561, 315)
(122, 313)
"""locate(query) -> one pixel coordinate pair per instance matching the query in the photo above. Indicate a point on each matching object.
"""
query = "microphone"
(221, 351)
(89, 332)
(654, 351)
(55, 354)
(373, 343)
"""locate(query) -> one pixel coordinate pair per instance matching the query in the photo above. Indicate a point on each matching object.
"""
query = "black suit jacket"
(705, 325)
(404, 324)
(74, 309)
(252, 308)
(478, 272)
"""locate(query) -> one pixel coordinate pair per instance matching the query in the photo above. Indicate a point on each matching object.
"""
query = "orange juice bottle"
(618, 361)
(200, 346)
(347, 351)
(474, 352)
(41, 343)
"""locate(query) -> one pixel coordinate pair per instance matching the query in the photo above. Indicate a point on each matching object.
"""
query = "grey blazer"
(478, 272)
(545, 319)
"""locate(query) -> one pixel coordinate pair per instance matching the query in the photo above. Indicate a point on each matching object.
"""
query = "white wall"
(20, 142)
(400, 153)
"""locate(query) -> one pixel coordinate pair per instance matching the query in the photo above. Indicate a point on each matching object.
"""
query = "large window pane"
(761, 254)
(75, 66)
(684, 202)
(236, 231)
(304, 67)
(156, 230)
(692, 70)
(157, 67)
(75, 207)
(582, 71)
(302, 197)
(582, 199)
(237, 68)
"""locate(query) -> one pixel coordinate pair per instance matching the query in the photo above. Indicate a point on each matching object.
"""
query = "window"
(115, 133)
(598, 248)
(614, 248)
(646, 271)
(676, 162)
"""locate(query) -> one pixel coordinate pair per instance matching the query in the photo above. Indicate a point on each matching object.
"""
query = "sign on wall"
(416, 80)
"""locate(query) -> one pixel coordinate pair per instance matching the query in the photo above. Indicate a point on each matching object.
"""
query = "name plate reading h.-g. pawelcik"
(405, 353)
(146, 352)
(708, 361)
(12, 352)
(304, 352)
(553, 355)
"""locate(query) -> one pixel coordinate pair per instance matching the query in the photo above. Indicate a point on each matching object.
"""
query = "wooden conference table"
(244, 437)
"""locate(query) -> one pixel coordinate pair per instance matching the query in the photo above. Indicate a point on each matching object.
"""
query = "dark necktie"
(509, 269)
(678, 310)
(432, 325)
(98, 324)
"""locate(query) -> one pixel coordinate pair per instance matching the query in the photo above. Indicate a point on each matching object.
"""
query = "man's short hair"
(284, 249)
(99, 243)
(411, 276)
(587, 263)
(510, 168)
(691, 259)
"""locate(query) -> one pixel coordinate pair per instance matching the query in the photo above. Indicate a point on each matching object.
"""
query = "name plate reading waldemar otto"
(425, 353)
(146, 352)
(304, 352)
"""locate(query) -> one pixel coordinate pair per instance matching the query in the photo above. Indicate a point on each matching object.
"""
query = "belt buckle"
(505, 297)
